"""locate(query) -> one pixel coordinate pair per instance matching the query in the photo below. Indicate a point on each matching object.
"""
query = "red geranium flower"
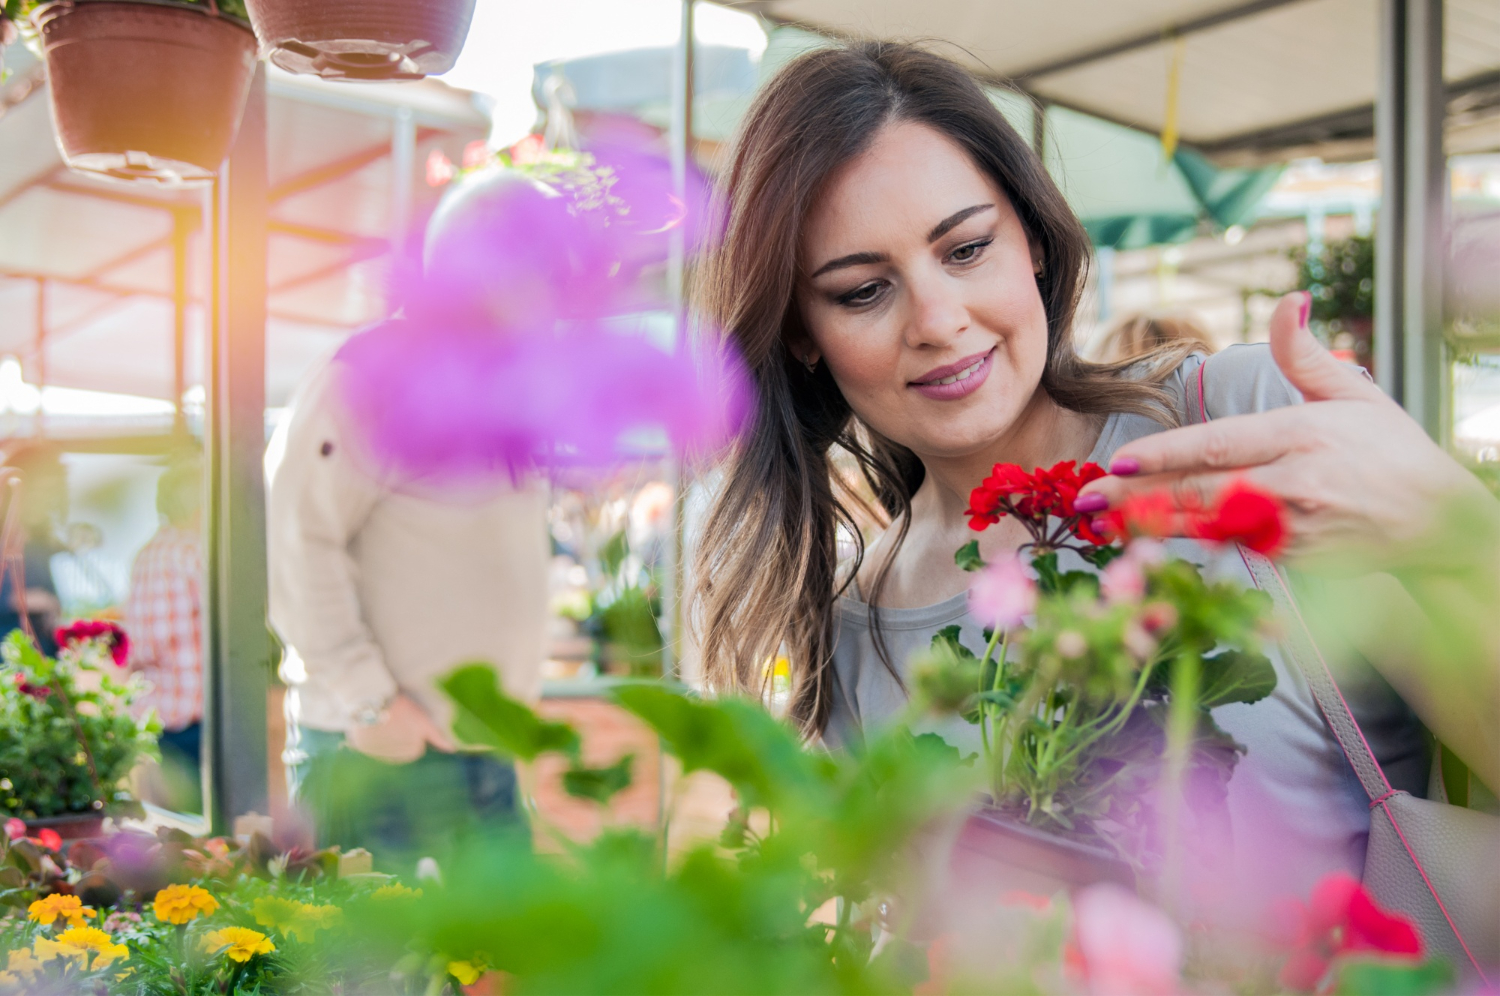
(1035, 498)
(97, 629)
(25, 687)
(1341, 918)
(1242, 514)
(1247, 516)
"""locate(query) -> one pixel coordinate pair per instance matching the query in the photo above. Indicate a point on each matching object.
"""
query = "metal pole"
(682, 144)
(403, 165)
(1425, 212)
(1390, 235)
(40, 350)
(239, 664)
(179, 317)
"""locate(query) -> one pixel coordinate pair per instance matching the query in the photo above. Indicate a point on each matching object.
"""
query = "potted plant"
(1095, 719)
(1341, 279)
(143, 89)
(67, 735)
(362, 39)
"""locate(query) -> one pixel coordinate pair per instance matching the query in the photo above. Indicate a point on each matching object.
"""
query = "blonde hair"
(1140, 334)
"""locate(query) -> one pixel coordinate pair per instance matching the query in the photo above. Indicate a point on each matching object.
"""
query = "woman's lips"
(956, 381)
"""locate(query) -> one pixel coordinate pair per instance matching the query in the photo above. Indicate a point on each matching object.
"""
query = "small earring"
(811, 365)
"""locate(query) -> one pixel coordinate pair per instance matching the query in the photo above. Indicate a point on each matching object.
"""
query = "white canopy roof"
(1260, 81)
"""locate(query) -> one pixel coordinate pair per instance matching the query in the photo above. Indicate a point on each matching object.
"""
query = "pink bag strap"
(1304, 652)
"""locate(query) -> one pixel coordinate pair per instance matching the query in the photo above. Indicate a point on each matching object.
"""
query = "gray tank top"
(1295, 807)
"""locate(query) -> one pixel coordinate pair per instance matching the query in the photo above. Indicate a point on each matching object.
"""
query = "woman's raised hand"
(1360, 479)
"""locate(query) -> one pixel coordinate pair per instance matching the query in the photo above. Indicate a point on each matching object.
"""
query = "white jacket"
(378, 590)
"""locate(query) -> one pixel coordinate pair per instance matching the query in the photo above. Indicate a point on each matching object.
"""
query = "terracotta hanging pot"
(145, 89)
(362, 39)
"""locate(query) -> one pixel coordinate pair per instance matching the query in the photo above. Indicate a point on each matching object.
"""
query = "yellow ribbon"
(1174, 88)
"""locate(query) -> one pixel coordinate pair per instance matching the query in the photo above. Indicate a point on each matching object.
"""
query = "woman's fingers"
(1303, 360)
(1226, 444)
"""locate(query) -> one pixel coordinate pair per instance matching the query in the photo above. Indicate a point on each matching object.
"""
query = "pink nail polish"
(1125, 467)
(1091, 502)
(1306, 309)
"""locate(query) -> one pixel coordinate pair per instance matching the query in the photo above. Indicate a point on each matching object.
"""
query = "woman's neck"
(1044, 434)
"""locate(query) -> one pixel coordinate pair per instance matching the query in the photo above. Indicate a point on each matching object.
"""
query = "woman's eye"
(969, 252)
(862, 295)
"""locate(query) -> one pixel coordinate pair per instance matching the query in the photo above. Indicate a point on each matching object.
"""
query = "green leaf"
(967, 557)
(947, 639)
(1235, 676)
(613, 553)
(1100, 556)
(1388, 977)
(738, 740)
(599, 784)
(486, 715)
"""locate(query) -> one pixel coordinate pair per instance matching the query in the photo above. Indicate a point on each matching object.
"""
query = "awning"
(1262, 81)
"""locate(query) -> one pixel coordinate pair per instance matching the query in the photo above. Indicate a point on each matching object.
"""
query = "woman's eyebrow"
(938, 231)
(954, 220)
(853, 259)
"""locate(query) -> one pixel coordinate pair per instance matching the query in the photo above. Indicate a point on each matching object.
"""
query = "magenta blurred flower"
(1003, 594)
(454, 405)
(15, 828)
(1122, 945)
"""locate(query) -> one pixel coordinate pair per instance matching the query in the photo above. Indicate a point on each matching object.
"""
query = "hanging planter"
(145, 89)
(362, 39)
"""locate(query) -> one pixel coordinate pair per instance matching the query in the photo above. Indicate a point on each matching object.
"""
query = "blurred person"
(164, 619)
(933, 339)
(379, 589)
(43, 494)
(1139, 335)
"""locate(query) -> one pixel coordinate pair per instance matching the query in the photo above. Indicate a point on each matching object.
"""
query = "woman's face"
(918, 288)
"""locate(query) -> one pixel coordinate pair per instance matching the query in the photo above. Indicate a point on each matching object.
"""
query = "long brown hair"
(766, 570)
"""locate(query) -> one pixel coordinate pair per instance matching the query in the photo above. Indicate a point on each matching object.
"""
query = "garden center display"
(362, 39)
(148, 91)
(794, 897)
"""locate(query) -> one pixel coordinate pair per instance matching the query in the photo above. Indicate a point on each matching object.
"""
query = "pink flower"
(1002, 595)
(49, 838)
(97, 629)
(1122, 581)
(15, 828)
(1123, 946)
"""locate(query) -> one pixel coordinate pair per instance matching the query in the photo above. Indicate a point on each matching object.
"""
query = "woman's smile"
(956, 380)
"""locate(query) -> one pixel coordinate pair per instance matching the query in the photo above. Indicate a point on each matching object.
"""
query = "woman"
(901, 274)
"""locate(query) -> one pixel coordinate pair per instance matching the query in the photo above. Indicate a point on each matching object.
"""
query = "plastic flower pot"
(145, 89)
(995, 853)
(70, 826)
(362, 39)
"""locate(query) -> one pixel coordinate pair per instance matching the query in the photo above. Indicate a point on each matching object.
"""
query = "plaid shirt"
(164, 619)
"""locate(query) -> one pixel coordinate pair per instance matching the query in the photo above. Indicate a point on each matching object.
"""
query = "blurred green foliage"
(1340, 277)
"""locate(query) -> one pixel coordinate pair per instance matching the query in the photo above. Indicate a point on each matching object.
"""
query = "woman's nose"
(938, 315)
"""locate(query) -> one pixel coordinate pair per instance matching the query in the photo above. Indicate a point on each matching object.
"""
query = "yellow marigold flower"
(47, 950)
(182, 903)
(276, 912)
(23, 963)
(69, 908)
(86, 939)
(396, 891)
(466, 972)
(239, 943)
